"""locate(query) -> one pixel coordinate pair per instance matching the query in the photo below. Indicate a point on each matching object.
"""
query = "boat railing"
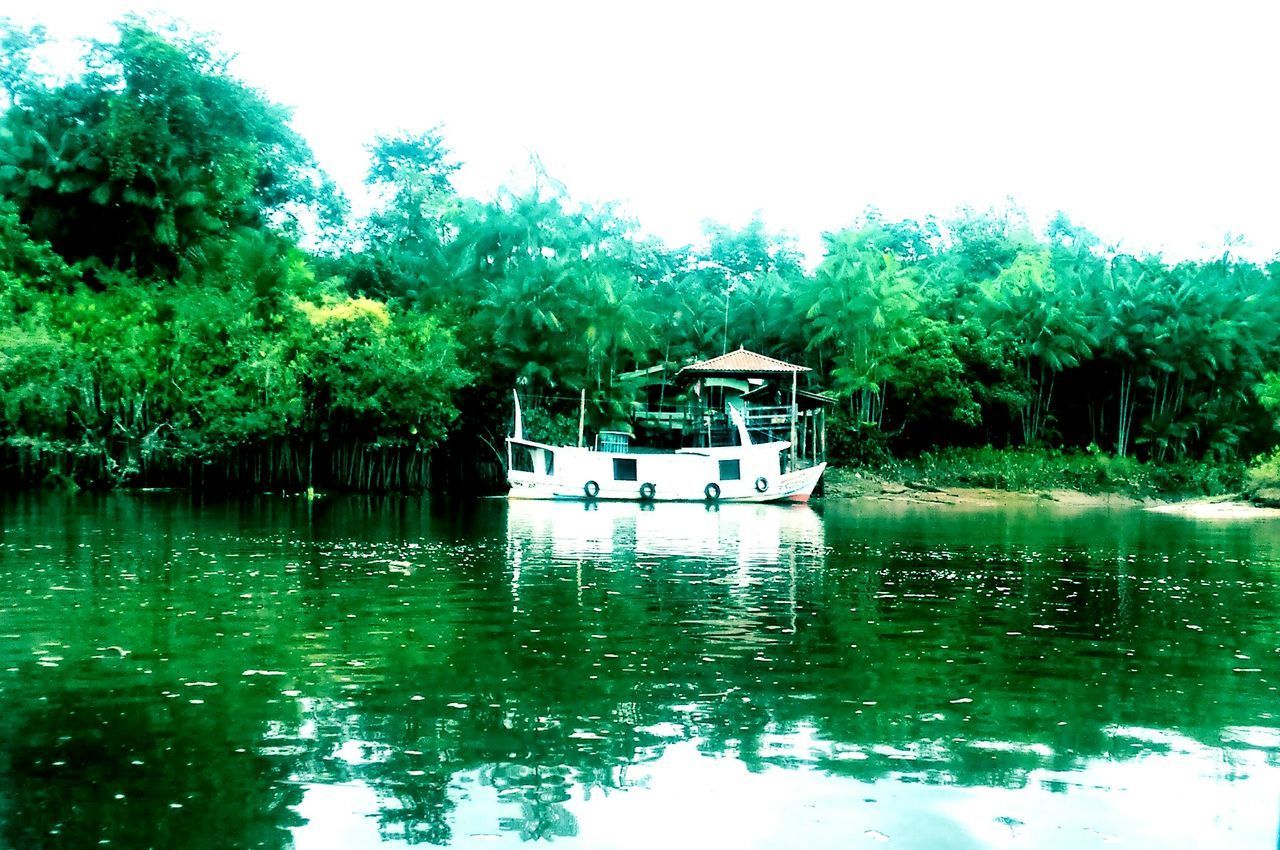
(671, 416)
(772, 415)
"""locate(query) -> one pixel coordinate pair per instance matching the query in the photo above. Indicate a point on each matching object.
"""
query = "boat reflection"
(742, 534)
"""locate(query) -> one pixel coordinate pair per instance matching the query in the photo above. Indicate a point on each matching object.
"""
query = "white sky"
(1152, 124)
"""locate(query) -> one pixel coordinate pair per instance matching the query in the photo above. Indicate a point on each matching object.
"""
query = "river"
(384, 672)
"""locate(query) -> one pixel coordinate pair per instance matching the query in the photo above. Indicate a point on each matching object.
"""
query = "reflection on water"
(382, 672)
(746, 534)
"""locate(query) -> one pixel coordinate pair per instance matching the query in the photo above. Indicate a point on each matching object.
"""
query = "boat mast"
(582, 418)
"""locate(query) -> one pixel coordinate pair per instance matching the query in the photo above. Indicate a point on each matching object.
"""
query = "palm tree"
(863, 306)
(1049, 324)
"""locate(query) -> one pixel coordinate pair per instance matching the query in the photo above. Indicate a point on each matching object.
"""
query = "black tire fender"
(647, 490)
(762, 484)
(712, 492)
(591, 489)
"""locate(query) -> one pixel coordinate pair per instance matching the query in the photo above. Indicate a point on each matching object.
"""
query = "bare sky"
(1153, 124)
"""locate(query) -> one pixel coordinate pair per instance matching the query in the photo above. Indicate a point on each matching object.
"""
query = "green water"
(361, 673)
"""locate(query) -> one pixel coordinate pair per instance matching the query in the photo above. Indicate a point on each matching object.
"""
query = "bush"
(1090, 471)
(555, 429)
(1264, 473)
(859, 444)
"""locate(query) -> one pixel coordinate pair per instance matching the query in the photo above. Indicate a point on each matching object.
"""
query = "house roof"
(741, 363)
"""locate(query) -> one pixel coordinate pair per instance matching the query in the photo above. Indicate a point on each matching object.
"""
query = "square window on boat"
(522, 458)
(550, 458)
(730, 470)
(624, 469)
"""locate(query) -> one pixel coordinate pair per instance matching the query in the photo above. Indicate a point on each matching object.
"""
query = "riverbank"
(858, 484)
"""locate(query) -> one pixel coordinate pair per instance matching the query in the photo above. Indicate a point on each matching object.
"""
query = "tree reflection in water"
(86, 768)
(528, 657)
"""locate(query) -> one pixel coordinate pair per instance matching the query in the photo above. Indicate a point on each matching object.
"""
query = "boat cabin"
(691, 408)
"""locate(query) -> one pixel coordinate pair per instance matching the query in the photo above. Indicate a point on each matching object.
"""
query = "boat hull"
(728, 474)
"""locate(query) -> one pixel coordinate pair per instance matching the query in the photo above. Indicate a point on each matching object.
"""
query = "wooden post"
(807, 445)
(804, 436)
(793, 421)
(582, 418)
(809, 440)
(813, 451)
(724, 349)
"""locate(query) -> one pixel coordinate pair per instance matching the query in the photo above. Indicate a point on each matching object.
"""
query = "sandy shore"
(1221, 508)
(852, 485)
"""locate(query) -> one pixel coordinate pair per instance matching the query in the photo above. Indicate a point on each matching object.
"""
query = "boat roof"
(740, 364)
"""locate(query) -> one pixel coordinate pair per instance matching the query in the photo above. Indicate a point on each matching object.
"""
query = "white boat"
(745, 472)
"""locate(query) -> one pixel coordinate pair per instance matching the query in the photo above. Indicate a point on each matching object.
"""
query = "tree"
(412, 161)
(16, 48)
(153, 150)
(1048, 325)
(863, 305)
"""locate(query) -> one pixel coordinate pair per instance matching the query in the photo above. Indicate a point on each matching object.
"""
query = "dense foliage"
(159, 320)
(157, 323)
